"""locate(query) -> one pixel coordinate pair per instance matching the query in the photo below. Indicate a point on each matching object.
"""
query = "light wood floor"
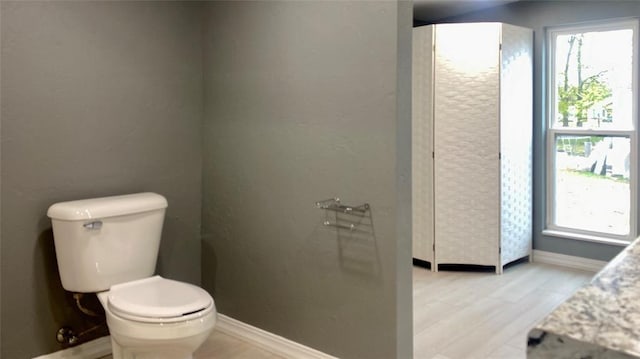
(460, 315)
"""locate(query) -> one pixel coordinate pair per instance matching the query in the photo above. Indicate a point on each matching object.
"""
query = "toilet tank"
(105, 241)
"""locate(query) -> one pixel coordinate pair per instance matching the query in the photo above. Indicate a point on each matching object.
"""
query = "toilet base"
(175, 340)
(179, 347)
(165, 350)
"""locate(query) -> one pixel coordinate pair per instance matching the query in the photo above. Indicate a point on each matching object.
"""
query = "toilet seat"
(158, 300)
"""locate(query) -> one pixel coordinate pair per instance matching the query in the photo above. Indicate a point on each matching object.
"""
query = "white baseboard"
(90, 350)
(564, 260)
(267, 341)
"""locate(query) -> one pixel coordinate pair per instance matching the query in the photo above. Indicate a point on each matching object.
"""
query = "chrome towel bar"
(333, 204)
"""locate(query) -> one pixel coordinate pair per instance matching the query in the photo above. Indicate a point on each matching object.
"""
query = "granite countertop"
(601, 320)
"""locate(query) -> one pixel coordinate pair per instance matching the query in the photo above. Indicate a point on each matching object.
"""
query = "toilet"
(109, 246)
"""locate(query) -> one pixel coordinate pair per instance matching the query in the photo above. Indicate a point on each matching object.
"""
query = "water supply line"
(78, 297)
(66, 335)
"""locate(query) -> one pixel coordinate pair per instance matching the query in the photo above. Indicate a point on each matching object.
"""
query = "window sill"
(586, 237)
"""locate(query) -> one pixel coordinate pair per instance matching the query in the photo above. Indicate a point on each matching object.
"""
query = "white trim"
(90, 350)
(564, 260)
(268, 341)
(586, 237)
(552, 131)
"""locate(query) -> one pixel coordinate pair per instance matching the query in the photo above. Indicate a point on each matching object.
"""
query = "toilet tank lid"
(106, 206)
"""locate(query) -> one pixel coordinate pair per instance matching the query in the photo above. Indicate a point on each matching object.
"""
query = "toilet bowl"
(109, 246)
(157, 318)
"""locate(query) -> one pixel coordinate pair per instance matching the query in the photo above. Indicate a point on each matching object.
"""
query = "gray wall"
(301, 106)
(538, 15)
(303, 101)
(98, 98)
(0, 187)
(404, 255)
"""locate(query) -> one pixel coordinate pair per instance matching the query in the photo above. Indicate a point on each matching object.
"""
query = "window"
(591, 137)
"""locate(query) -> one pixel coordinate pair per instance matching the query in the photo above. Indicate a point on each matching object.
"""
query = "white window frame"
(551, 228)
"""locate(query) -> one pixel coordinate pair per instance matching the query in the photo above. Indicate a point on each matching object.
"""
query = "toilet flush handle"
(93, 225)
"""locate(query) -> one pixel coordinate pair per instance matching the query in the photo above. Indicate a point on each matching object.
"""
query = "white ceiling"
(431, 10)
